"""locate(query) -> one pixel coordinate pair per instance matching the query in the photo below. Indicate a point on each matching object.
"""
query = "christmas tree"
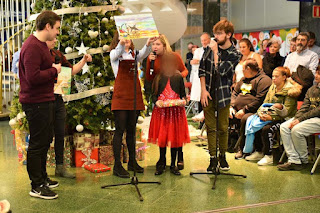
(87, 26)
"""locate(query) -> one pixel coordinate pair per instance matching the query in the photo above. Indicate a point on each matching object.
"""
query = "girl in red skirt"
(169, 126)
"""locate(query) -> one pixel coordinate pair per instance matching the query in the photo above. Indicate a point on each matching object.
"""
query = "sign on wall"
(284, 35)
(316, 11)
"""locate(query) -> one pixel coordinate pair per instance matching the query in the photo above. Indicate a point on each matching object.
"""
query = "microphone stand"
(217, 172)
(134, 180)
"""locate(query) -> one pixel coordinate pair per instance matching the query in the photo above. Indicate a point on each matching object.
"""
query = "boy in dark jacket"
(294, 131)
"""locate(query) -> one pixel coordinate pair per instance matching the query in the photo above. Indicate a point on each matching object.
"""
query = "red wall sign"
(316, 11)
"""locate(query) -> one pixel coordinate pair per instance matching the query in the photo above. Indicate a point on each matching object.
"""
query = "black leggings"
(174, 152)
(268, 134)
(125, 120)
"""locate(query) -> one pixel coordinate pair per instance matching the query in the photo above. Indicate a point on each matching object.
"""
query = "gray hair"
(274, 41)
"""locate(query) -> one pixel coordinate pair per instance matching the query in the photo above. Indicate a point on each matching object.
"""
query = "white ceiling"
(170, 16)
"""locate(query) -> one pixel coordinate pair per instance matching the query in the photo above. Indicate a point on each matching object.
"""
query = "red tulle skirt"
(169, 127)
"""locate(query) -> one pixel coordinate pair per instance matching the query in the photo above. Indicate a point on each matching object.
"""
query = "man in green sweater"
(294, 131)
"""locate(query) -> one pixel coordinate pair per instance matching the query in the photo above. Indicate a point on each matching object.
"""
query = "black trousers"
(242, 123)
(40, 117)
(125, 120)
(268, 134)
(59, 128)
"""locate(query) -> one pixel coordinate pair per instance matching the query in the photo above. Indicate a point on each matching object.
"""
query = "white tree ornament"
(82, 49)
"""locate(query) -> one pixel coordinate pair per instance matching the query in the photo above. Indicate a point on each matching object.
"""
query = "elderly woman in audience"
(247, 51)
(272, 58)
(279, 105)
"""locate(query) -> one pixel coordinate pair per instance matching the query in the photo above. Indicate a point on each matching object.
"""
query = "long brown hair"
(166, 45)
(115, 42)
(168, 58)
(248, 43)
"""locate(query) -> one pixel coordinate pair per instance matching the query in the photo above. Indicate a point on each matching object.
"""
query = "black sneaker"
(43, 192)
(119, 171)
(290, 166)
(224, 166)
(139, 169)
(51, 183)
(213, 164)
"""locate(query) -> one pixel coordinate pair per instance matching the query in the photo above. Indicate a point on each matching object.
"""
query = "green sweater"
(282, 97)
(311, 105)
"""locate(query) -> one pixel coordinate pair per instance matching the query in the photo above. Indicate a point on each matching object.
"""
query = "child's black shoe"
(174, 170)
(160, 168)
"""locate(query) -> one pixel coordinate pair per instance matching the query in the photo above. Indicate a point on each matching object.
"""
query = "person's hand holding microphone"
(57, 64)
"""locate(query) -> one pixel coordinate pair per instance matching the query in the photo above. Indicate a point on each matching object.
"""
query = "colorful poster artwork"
(136, 26)
(63, 85)
(284, 36)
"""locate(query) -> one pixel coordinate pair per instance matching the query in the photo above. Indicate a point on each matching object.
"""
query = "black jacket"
(270, 63)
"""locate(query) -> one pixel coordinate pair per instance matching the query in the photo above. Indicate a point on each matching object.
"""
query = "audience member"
(294, 131)
(272, 58)
(195, 62)
(283, 108)
(263, 47)
(189, 57)
(312, 44)
(247, 97)
(293, 48)
(302, 56)
(247, 51)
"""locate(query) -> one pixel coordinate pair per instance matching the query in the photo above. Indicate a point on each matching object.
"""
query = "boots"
(180, 159)
(173, 168)
(62, 172)
(119, 171)
(133, 164)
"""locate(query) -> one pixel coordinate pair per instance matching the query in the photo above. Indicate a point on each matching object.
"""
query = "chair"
(311, 147)
(318, 158)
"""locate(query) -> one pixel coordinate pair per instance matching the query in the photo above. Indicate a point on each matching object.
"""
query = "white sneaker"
(266, 160)
(255, 156)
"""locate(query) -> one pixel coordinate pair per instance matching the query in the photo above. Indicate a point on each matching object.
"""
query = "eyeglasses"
(218, 33)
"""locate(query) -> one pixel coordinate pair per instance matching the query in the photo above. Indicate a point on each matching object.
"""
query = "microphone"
(57, 59)
(152, 64)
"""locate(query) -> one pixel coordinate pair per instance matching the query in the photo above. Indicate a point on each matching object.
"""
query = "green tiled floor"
(175, 194)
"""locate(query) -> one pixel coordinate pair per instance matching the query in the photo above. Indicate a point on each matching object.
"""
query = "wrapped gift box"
(86, 156)
(67, 153)
(139, 134)
(106, 154)
(140, 150)
(83, 140)
(22, 142)
(97, 168)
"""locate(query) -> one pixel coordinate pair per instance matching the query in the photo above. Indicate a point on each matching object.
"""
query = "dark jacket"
(176, 83)
(249, 93)
(305, 78)
(311, 105)
(270, 63)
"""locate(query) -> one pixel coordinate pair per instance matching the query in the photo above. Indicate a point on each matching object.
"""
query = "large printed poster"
(284, 35)
(136, 26)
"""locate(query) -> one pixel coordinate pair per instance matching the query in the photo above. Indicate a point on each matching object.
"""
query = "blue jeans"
(294, 140)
